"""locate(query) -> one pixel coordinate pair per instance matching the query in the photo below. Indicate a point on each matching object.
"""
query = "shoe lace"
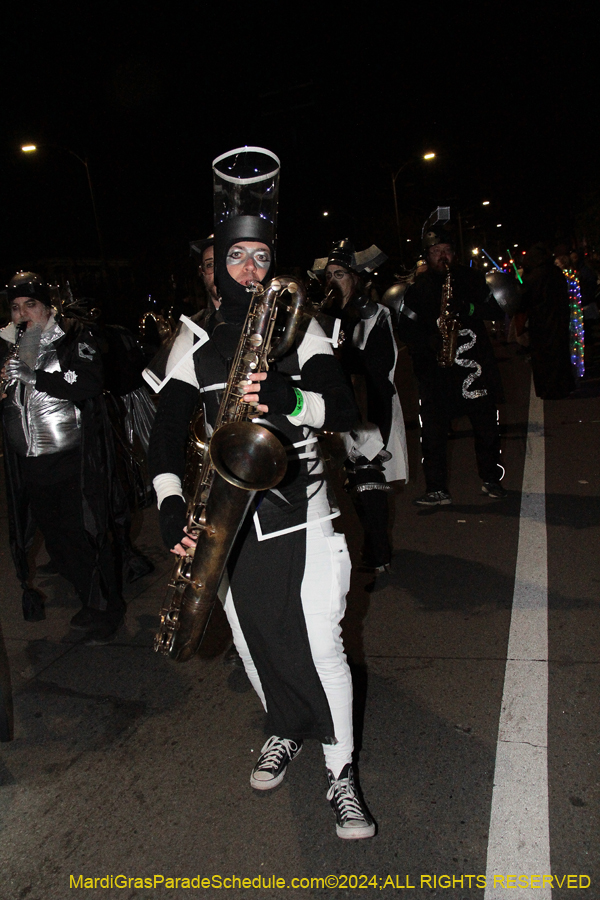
(274, 751)
(343, 794)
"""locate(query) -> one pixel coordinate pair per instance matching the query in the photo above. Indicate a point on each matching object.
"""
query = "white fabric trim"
(311, 440)
(213, 387)
(396, 468)
(363, 441)
(274, 534)
(167, 484)
(180, 360)
(313, 343)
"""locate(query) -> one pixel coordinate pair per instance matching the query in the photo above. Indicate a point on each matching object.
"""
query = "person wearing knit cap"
(55, 455)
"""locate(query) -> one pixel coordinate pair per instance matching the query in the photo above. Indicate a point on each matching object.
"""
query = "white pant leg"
(242, 647)
(324, 587)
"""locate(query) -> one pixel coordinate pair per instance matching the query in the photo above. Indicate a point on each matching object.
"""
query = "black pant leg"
(90, 567)
(486, 436)
(372, 508)
(435, 422)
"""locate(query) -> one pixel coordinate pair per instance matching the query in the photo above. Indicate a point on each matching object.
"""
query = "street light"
(31, 148)
(425, 156)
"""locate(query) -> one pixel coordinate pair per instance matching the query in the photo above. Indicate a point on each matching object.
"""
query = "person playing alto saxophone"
(289, 571)
(442, 322)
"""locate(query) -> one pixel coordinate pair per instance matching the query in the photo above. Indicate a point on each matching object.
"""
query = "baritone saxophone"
(241, 458)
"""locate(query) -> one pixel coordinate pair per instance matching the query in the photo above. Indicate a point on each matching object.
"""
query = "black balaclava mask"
(235, 298)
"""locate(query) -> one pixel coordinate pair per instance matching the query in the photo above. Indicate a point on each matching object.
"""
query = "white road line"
(519, 836)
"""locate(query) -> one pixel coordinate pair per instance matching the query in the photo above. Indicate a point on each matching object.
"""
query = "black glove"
(172, 517)
(277, 393)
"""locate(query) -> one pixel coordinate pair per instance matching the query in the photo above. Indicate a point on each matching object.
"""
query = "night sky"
(506, 98)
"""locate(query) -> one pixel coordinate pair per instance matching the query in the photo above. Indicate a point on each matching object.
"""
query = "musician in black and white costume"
(289, 571)
(470, 385)
(376, 447)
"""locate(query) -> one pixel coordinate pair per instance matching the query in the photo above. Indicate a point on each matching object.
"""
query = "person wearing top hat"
(288, 572)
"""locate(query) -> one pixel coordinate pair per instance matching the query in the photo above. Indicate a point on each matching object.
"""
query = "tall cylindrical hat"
(246, 191)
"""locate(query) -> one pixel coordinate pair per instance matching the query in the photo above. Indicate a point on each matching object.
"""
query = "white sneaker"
(353, 819)
(273, 761)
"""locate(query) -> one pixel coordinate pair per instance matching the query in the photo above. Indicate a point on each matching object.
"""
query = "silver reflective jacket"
(35, 422)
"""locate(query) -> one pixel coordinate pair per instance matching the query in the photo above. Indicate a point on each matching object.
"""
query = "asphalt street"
(127, 764)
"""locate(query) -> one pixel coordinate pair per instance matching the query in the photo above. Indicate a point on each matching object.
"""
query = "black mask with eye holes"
(235, 298)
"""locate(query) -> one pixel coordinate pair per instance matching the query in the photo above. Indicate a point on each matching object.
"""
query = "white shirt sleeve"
(313, 343)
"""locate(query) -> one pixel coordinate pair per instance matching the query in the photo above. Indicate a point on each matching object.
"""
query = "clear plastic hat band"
(246, 183)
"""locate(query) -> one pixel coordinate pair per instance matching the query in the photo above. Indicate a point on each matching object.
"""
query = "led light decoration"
(576, 323)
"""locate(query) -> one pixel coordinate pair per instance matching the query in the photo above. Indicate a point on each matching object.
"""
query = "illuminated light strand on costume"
(469, 364)
(576, 322)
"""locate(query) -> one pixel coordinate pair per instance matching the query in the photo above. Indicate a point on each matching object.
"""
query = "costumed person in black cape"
(462, 382)
(57, 449)
(376, 447)
(546, 301)
(288, 572)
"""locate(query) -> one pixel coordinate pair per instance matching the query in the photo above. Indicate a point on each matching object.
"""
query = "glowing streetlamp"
(426, 156)
(31, 148)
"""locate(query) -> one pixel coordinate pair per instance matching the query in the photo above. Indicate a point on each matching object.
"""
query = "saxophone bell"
(248, 456)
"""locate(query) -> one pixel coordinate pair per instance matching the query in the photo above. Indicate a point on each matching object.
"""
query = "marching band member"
(288, 571)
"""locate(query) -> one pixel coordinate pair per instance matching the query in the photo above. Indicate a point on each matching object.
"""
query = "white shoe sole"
(272, 782)
(355, 834)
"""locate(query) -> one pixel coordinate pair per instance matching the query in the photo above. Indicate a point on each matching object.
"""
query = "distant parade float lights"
(493, 261)
(576, 323)
(429, 156)
(485, 203)
(28, 148)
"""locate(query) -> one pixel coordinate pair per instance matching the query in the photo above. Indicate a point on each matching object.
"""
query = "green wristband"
(299, 403)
